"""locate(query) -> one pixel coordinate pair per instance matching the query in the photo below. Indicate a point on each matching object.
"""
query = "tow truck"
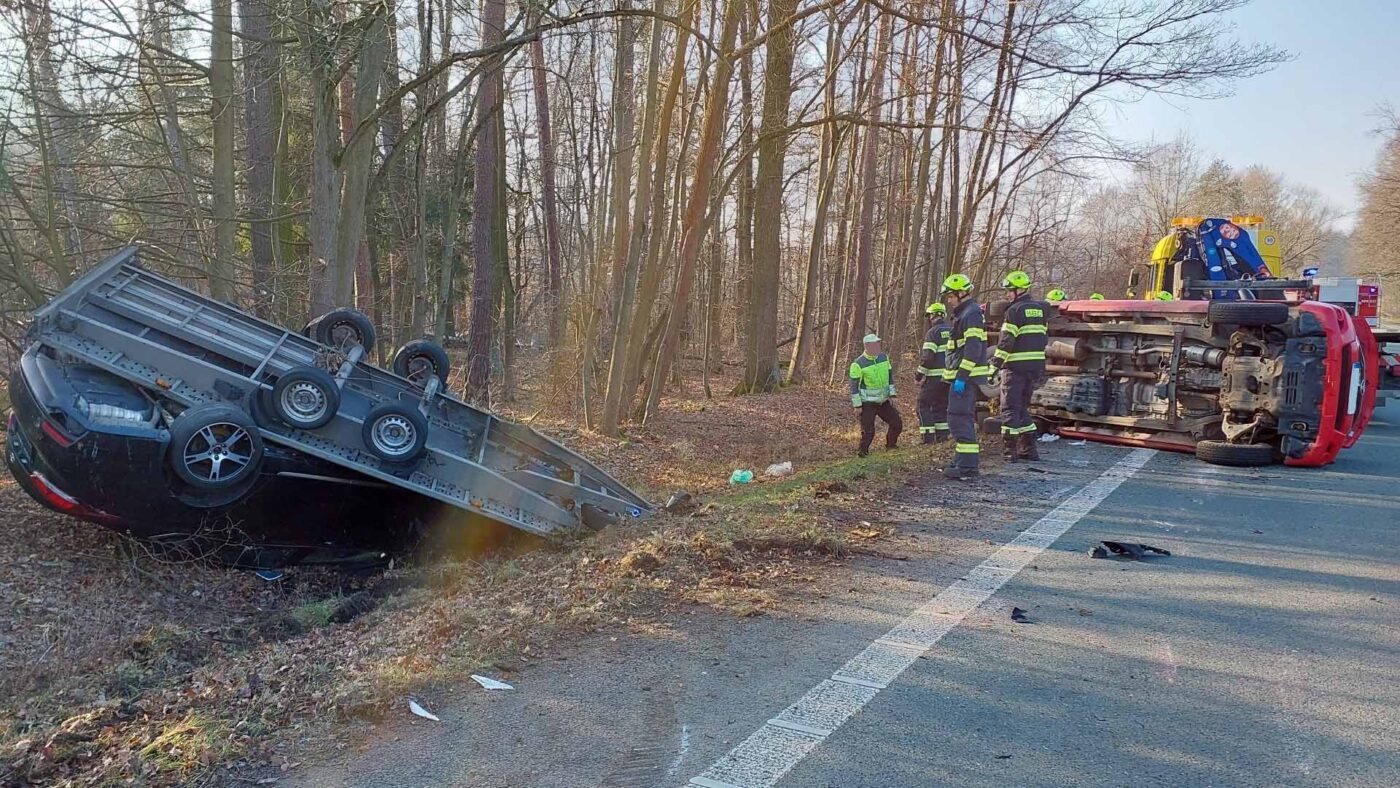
(1238, 366)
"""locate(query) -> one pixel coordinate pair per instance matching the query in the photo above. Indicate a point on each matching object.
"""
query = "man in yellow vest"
(872, 389)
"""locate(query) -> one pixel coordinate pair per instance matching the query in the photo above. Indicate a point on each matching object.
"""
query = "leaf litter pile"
(118, 667)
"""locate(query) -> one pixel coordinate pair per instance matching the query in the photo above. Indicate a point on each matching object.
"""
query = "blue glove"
(959, 386)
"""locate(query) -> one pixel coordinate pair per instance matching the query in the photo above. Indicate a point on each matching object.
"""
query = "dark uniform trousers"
(933, 406)
(962, 420)
(1016, 388)
(886, 412)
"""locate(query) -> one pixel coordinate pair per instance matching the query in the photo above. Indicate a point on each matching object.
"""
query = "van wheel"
(1240, 455)
(421, 361)
(1248, 313)
(215, 447)
(395, 433)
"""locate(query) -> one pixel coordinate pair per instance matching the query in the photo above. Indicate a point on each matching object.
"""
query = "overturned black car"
(87, 444)
(149, 408)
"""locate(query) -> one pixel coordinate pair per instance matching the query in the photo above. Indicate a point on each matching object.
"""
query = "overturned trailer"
(124, 355)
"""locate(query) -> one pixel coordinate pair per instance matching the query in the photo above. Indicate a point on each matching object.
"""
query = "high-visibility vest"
(968, 357)
(933, 358)
(872, 379)
(1021, 346)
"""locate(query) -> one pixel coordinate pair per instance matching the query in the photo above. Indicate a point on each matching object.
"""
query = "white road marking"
(771, 751)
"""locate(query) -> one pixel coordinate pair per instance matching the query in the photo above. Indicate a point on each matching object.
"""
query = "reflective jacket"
(968, 357)
(934, 356)
(1021, 346)
(872, 379)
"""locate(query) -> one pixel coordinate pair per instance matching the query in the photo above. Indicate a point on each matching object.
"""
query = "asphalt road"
(1264, 651)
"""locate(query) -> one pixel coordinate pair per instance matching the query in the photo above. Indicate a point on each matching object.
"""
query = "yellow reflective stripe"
(1010, 329)
(979, 333)
(1001, 354)
(1032, 329)
(1025, 355)
(967, 364)
(1020, 430)
(940, 425)
(931, 372)
(928, 429)
(934, 346)
(967, 448)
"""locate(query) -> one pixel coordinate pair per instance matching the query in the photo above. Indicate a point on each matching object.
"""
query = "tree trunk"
(694, 223)
(488, 204)
(260, 105)
(555, 284)
(865, 233)
(768, 197)
(355, 162)
(221, 92)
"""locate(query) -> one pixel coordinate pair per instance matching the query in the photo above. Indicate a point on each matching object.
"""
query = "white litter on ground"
(779, 469)
(421, 712)
(490, 684)
(1049, 437)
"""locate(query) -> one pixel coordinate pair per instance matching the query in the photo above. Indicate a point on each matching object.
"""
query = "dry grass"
(140, 678)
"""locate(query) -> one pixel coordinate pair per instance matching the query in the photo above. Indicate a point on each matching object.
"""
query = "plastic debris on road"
(490, 683)
(1131, 550)
(1019, 616)
(1049, 437)
(1079, 443)
(741, 476)
(779, 469)
(421, 712)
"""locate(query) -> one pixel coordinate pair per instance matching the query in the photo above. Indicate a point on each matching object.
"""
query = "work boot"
(941, 436)
(1009, 451)
(1026, 448)
(960, 474)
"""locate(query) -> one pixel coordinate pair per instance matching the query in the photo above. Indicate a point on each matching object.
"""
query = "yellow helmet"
(1017, 280)
(1056, 296)
(936, 308)
(1096, 297)
(1163, 295)
(957, 283)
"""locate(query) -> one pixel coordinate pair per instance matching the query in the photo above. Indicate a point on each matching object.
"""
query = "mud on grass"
(116, 669)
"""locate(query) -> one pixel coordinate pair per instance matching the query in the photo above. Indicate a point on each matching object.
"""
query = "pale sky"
(1312, 118)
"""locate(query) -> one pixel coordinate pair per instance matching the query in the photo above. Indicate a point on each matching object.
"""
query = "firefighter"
(1057, 295)
(872, 389)
(1096, 297)
(1020, 362)
(966, 368)
(933, 389)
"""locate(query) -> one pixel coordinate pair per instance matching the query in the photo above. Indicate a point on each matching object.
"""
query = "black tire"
(1248, 313)
(420, 360)
(1239, 455)
(305, 398)
(395, 433)
(215, 447)
(343, 329)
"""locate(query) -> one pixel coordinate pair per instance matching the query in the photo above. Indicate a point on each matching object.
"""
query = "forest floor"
(118, 667)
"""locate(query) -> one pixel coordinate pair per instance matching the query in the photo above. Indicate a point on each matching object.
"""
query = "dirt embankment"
(117, 666)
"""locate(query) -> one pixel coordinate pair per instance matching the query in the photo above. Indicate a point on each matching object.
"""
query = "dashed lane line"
(780, 744)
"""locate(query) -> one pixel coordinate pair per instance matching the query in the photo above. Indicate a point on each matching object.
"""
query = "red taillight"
(64, 502)
(55, 434)
(54, 496)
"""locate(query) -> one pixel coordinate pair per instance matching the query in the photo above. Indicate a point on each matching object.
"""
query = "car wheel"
(215, 446)
(1240, 455)
(305, 397)
(1248, 313)
(343, 329)
(395, 433)
(420, 360)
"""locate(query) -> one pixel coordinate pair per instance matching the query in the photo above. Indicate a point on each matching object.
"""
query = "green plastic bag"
(741, 476)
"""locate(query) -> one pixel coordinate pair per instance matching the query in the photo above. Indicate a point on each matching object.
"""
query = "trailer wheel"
(1248, 313)
(305, 397)
(344, 328)
(1239, 455)
(215, 446)
(395, 433)
(420, 361)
